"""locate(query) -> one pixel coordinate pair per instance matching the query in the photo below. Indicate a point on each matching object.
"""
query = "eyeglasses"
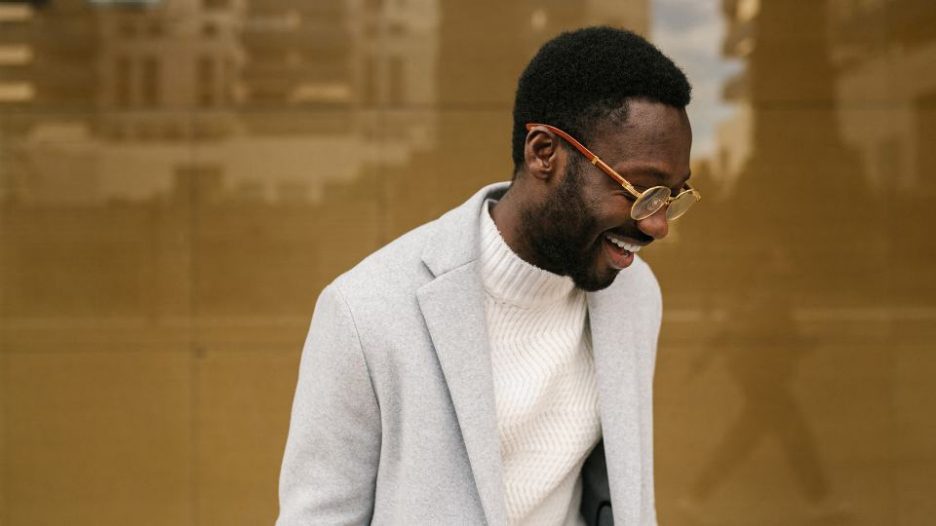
(647, 202)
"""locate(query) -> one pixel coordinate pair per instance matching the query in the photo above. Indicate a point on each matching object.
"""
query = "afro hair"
(582, 76)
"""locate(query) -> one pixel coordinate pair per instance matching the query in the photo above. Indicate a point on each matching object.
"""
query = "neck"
(507, 215)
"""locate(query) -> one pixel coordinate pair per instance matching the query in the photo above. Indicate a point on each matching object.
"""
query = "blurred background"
(180, 178)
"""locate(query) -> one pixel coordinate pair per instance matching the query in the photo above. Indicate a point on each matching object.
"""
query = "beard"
(561, 234)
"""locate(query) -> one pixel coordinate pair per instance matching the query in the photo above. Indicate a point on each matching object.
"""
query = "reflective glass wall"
(180, 178)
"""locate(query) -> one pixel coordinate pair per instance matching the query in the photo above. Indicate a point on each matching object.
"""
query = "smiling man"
(495, 366)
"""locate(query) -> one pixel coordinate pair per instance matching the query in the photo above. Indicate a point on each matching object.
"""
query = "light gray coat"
(393, 420)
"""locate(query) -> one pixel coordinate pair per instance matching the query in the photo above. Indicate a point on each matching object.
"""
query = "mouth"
(619, 251)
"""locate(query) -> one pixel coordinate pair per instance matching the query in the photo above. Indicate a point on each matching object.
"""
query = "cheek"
(604, 209)
(612, 213)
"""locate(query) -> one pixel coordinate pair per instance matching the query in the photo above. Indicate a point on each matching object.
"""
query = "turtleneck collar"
(509, 278)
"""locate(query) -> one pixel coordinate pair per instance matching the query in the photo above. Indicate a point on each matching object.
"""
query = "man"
(495, 366)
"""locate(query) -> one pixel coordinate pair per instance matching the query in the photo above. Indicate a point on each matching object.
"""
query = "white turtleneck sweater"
(544, 382)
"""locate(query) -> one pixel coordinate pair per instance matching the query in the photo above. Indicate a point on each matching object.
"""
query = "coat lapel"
(454, 311)
(616, 367)
(453, 307)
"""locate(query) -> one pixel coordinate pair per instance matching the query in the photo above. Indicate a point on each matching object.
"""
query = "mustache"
(632, 233)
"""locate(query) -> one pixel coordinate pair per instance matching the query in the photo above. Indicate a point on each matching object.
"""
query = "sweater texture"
(544, 382)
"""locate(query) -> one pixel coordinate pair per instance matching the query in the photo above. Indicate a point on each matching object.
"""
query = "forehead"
(654, 135)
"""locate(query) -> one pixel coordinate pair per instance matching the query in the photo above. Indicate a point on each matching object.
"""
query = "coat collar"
(455, 239)
(453, 307)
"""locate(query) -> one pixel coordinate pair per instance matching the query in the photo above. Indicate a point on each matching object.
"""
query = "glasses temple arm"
(592, 158)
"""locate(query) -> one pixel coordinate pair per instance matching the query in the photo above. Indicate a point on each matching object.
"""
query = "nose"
(656, 225)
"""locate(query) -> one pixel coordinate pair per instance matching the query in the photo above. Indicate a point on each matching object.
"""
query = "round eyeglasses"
(647, 202)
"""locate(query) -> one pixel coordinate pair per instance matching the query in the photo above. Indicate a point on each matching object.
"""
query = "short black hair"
(585, 75)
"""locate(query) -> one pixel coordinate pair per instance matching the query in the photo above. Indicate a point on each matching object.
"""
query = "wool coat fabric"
(394, 420)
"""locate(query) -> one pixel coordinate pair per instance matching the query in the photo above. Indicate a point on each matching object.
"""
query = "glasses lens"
(649, 202)
(680, 205)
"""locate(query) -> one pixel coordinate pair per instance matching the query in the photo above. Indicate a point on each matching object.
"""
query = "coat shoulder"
(395, 268)
(395, 271)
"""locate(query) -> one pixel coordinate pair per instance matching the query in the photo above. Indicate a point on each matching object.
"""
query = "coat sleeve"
(329, 467)
(648, 366)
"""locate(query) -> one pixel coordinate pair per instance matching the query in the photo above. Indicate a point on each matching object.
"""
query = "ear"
(541, 153)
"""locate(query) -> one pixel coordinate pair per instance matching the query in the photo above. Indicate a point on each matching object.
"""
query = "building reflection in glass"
(179, 178)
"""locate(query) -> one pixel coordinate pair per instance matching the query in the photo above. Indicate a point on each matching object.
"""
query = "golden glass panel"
(240, 398)
(178, 180)
(97, 437)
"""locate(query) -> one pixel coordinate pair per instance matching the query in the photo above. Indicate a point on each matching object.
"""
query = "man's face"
(579, 228)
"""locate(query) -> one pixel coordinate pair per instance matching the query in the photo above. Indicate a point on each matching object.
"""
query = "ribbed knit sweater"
(544, 382)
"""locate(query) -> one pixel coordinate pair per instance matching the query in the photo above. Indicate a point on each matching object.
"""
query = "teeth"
(622, 244)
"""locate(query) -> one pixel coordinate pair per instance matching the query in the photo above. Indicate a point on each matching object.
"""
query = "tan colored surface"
(177, 183)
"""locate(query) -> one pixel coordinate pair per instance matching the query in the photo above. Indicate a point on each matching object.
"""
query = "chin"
(595, 275)
(594, 283)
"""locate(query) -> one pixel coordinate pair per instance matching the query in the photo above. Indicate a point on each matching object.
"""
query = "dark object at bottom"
(596, 494)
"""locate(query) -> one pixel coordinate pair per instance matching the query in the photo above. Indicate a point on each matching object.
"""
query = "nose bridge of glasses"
(681, 203)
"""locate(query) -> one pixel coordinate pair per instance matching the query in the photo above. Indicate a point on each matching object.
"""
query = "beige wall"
(178, 182)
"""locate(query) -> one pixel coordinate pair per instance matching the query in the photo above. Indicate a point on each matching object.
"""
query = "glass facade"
(179, 179)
